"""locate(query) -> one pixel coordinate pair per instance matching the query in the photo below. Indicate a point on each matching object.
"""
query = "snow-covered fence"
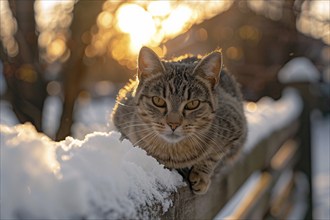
(101, 177)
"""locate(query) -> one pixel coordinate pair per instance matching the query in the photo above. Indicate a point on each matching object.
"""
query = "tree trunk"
(74, 71)
(26, 85)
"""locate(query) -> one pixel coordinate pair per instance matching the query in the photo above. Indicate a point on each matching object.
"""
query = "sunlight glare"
(137, 22)
(42, 8)
(147, 23)
(177, 20)
(159, 8)
(321, 9)
(8, 28)
(53, 19)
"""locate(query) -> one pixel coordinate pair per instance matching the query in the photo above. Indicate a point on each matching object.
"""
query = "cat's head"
(177, 98)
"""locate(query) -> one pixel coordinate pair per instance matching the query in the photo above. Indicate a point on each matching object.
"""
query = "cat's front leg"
(200, 176)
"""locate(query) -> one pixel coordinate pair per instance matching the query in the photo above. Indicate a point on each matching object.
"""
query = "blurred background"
(76, 51)
(57, 57)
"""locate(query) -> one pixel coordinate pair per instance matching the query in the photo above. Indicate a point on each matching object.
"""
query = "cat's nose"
(173, 126)
(174, 120)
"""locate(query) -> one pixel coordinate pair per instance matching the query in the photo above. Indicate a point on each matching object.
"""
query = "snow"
(299, 69)
(7, 116)
(269, 115)
(98, 177)
(300, 196)
(321, 165)
(93, 175)
(301, 192)
(230, 206)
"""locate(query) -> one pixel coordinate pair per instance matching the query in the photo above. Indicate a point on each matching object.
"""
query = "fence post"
(304, 136)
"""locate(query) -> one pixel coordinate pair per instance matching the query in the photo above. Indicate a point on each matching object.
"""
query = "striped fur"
(176, 136)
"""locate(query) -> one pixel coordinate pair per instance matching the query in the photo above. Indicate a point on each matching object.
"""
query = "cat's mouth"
(172, 137)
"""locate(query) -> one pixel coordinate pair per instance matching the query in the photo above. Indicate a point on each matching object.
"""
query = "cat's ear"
(148, 63)
(210, 67)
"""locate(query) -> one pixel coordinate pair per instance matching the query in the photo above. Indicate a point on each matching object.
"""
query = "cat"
(185, 113)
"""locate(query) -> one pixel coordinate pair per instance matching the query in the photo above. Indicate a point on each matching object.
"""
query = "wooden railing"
(286, 150)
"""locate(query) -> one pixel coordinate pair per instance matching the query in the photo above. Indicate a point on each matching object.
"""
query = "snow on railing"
(269, 115)
(98, 177)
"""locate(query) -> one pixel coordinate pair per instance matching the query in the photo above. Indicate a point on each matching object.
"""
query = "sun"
(137, 22)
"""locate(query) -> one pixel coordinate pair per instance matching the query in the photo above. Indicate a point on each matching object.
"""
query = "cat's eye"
(192, 105)
(159, 102)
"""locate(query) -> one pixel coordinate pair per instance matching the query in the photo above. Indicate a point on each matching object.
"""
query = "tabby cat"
(185, 113)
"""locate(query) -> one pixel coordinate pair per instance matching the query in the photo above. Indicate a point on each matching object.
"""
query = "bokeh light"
(122, 28)
(251, 107)
(314, 20)
(149, 23)
(53, 19)
(8, 28)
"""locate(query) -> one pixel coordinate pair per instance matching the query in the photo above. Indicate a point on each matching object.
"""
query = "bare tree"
(75, 69)
(24, 73)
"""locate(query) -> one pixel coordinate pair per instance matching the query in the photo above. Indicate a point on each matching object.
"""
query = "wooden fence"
(286, 150)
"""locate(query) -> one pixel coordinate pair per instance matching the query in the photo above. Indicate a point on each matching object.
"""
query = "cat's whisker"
(215, 143)
(222, 118)
(200, 143)
(225, 137)
(124, 105)
(219, 142)
(130, 122)
(193, 129)
(140, 131)
(134, 125)
(128, 113)
(196, 141)
(148, 135)
(127, 124)
(222, 128)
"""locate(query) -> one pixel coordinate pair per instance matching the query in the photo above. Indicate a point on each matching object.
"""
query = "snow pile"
(268, 115)
(7, 116)
(299, 69)
(98, 177)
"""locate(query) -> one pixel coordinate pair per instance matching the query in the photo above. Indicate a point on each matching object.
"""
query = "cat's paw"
(200, 182)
